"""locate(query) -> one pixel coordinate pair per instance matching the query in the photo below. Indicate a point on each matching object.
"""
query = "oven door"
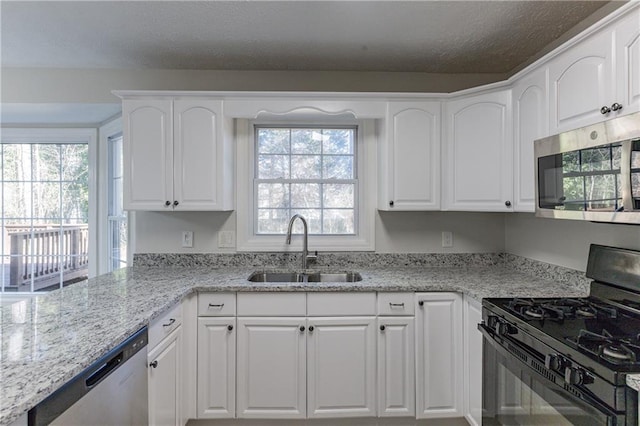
(515, 393)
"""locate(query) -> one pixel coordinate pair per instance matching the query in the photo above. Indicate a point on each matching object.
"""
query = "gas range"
(584, 347)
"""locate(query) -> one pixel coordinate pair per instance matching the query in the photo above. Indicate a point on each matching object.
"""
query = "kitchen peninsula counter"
(50, 338)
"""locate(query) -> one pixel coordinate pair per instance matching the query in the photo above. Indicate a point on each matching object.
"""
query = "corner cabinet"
(177, 155)
(439, 369)
(409, 157)
(530, 122)
(477, 155)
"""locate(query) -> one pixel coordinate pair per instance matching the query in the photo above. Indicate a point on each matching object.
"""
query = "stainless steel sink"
(297, 277)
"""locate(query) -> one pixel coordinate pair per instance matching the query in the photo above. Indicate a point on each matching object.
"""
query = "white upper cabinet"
(177, 155)
(530, 122)
(581, 84)
(410, 157)
(148, 154)
(627, 54)
(477, 154)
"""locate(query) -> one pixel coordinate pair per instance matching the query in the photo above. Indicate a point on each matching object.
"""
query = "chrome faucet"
(305, 242)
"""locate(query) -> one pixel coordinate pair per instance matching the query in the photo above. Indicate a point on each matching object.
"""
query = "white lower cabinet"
(341, 376)
(439, 355)
(396, 367)
(472, 361)
(216, 381)
(271, 368)
(164, 376)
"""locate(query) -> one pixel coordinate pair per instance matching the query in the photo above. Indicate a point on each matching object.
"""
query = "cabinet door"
(472, 361)
(478, 153)
(396, 367)
(410, 158)
(198, 163)
(271, 368)
(216, 368)
(627, 45)
(439, 355)
(581, 83)
(531, 122)
(341, 367)
(148, 154)
(165, 381)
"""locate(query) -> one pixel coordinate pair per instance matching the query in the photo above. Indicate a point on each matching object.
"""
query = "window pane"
(337, 141)
(75, 200)
(305, 166)
(16, 162)
(274, 195)
(273, 167)
(273, 221)
(273, 141)
(17, 200)
(338, 167)
(75, 158)
(314, 221)
(46, 199)
(305, 195)
(306, 141)
(338, 195)
(46, 162)
(339, 222)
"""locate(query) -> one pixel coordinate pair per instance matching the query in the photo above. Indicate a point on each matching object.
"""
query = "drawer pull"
(217, 305)
(421, 302)
(154, 364)
(230, 327)
(171, 321)
(382, 328)
(396, 305)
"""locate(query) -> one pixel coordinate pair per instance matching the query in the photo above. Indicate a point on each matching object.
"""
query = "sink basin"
(296, 277)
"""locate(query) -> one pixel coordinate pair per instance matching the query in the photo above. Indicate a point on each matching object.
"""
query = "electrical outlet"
(187, 239)
(447, 239)
(226, 239)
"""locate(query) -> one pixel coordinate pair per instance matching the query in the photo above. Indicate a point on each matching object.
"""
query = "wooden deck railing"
(45, 252)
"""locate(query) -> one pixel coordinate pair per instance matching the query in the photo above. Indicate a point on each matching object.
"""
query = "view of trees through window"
(45, 209)
(307, 171)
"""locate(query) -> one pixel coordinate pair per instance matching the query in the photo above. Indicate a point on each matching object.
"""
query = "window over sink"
(321, 170)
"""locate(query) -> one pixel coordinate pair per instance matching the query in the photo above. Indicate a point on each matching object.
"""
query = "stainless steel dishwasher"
(112, 391)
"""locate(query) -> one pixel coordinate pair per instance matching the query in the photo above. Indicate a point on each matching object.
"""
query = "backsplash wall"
(396, 232)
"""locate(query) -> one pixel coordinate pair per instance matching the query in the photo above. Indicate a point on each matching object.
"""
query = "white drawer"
(216, 304)
(343, 304)
(272, 304)
(162, 326)
(395, 304)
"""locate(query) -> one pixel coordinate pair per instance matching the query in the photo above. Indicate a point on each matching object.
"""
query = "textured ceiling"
(423, 36)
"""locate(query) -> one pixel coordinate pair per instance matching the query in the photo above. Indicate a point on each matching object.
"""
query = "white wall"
(396, 232)
(563, 242)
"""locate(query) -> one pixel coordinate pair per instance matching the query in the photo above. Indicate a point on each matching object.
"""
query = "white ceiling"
(421, 36)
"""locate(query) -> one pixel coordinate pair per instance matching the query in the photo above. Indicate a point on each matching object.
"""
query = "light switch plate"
(187, 239)
(226, 239)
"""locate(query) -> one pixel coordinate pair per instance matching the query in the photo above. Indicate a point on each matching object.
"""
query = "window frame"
(365, 157)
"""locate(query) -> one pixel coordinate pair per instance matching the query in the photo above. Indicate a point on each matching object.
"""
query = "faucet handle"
(312, 257)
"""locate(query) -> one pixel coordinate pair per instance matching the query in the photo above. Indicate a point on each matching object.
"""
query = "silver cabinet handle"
(154, 364)
(616, 107)
(396, 305)
(605, 110)
(171, 321)
(218, 305)
(421, 302)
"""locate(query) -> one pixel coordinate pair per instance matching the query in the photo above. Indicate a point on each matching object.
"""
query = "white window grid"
(116, 215)
(292, 210)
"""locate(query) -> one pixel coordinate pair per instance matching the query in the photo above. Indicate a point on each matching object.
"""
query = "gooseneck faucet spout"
(305, 241)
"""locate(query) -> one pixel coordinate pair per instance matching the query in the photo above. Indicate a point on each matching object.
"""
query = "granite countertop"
(50, 338)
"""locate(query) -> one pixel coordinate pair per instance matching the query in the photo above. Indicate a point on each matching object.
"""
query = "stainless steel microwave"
(591, 173)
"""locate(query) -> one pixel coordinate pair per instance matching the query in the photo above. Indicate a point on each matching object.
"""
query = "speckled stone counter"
(49, 339)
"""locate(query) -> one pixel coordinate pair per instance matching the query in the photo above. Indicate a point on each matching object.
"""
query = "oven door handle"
(572, 394)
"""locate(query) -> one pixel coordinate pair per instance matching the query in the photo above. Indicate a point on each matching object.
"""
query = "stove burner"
(617, 352)
(560, 309)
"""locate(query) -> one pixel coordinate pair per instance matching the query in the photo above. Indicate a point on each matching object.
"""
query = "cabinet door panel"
(479, 153)
(396, 367)
(341, 364)
(271, 368)
(216, 368)
(413, 157)
(439, 355)
(148, 154)
(164, 381)
(473, 361)
(197, 136)
(628, 62)
(531, 122)
(581, 83)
